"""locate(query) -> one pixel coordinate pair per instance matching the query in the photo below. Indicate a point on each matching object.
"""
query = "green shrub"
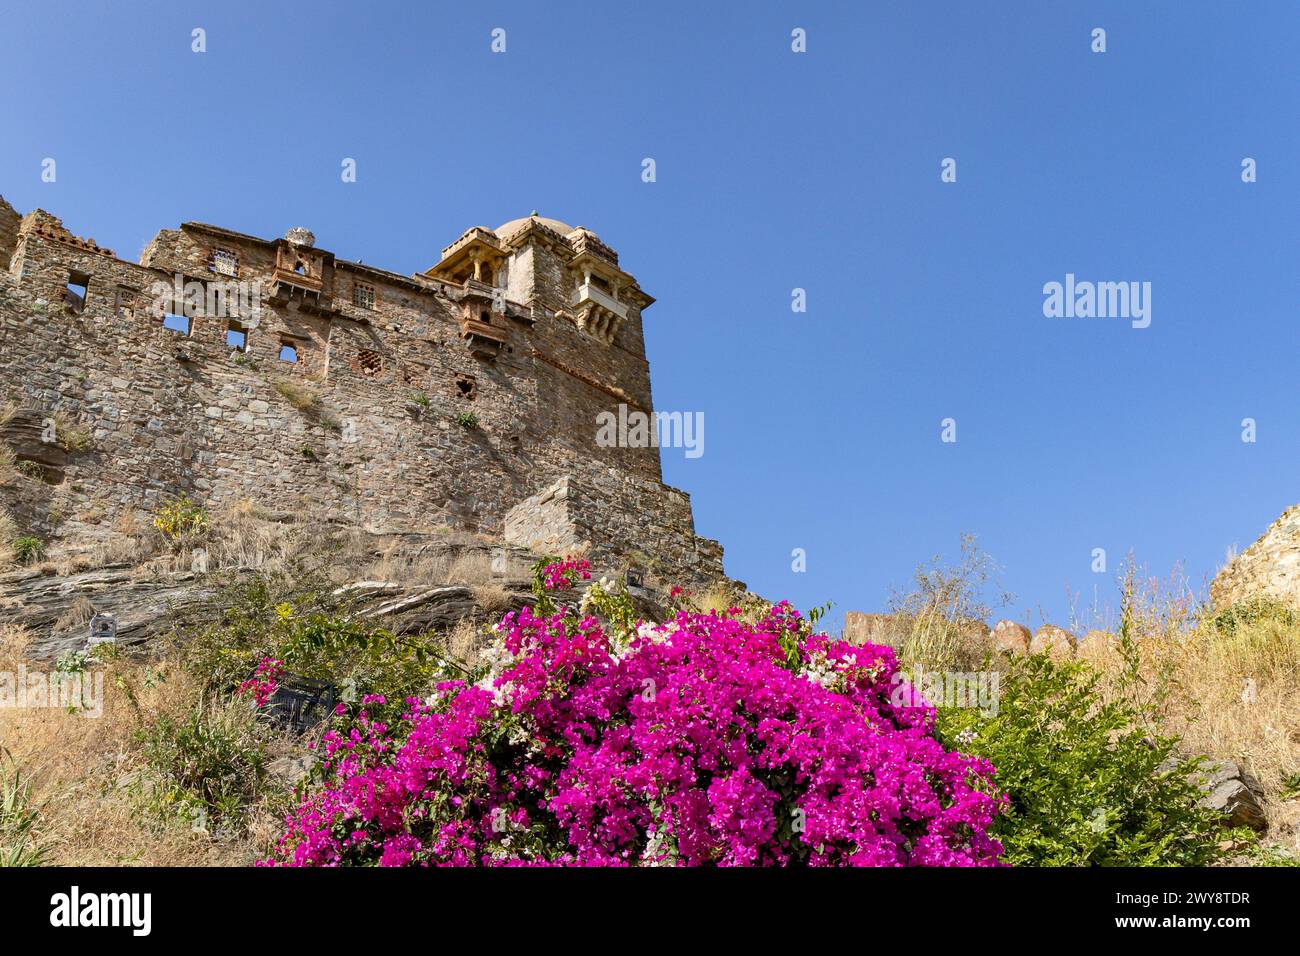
(467, 420)
(1250, 612)
(314, 634)
(18, 821)
(1088, 786)
(181, 519)
(207, 765)
(28, 550)
(1290, 786)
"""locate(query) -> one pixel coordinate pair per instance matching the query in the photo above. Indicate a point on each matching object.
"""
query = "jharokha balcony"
(597, 313)
(478, 320)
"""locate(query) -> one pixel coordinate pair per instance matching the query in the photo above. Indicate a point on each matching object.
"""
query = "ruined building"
(228, 367)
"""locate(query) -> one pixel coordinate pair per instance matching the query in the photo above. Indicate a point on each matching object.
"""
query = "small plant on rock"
(181, 519)
(70, 434)
(28, 549)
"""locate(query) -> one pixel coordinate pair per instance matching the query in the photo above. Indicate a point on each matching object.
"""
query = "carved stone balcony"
(484, 340)
(597, 312)
(287, 284)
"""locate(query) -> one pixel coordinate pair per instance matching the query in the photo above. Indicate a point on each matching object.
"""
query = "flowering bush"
(264, 682)
(563, 575)
(703, 740)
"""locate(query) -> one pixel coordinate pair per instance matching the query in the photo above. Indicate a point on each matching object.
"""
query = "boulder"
(1233, 792)
(1056, 642)
(1011, 637)
(863, 628)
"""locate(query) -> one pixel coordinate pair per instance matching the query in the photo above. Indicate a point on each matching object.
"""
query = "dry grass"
(464, 642)
(242, 536)
(492, 598)
(8, 531)
(86, 771)
(83, 769)
(8, 465)
(472, 569)
(939, 619)
(78, 614)
(393, 565)
(71, 434)
(1228, 693)
(296, 395)
(135, 540)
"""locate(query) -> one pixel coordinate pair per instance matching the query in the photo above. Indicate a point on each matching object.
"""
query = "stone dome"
(514, 225)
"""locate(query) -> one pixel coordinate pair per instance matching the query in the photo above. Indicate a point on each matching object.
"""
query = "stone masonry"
(1269, 568)
(228, 367)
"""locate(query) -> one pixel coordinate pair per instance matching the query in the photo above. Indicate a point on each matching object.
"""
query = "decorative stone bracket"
(597, 313)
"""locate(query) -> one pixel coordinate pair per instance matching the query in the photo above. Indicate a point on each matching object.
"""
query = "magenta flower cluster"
(264, 682)
(695, 742)
(563, 575)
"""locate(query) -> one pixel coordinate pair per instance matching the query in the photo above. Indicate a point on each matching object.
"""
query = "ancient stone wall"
(9, 220)
(347, 392)
(1269, 568)
(575, 512)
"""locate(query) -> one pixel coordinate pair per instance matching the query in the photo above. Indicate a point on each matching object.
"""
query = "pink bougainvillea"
(703, 740)
(264, 682)
(564, 575)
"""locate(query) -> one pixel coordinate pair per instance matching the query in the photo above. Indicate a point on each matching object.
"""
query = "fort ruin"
(465, 396)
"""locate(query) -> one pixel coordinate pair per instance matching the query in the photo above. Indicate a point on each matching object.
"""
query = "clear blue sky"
(776, 171)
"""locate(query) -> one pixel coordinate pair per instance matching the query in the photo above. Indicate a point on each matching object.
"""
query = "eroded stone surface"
(1269, 568)
(1011, 637)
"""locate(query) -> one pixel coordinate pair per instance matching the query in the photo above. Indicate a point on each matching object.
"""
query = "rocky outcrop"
(863, 628)
(1230, 790)
(1056, 642)
(1011, 638)
(1233, 792)
(56, 610)
(1269, 568)
(1006, 637)
(144, 603)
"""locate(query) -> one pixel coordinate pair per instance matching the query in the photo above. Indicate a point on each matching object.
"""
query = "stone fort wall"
(349, 393)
